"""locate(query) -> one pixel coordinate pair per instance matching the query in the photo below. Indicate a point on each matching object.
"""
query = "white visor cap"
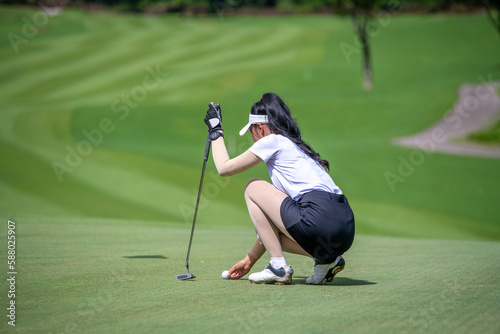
(254, 119)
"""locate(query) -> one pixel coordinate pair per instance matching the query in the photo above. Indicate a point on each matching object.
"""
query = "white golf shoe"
(270, 275)
(324, 273)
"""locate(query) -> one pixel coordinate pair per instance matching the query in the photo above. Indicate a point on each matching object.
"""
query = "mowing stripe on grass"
(66, 78)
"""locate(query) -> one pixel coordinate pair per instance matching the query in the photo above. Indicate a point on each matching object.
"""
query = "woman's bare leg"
(264, 203)
(291, 246)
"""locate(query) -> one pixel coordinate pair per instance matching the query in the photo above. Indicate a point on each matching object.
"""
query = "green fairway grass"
(79, 69)
(490, 135)
(103, 231)
(110, 276)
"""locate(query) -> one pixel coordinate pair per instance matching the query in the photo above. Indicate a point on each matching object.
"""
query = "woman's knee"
(252, 184)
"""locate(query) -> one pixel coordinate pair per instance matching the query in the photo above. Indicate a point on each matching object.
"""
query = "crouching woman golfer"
(301, 212)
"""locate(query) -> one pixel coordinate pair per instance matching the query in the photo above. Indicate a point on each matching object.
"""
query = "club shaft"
(205, 158)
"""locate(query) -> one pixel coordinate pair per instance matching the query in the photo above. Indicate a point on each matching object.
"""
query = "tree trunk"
(367, 66)
(360, 28)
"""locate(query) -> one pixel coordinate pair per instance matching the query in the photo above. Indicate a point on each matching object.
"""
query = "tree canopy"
(214, 6)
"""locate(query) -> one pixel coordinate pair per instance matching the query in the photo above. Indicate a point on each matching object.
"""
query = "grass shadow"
(339, 281)
(145, 257)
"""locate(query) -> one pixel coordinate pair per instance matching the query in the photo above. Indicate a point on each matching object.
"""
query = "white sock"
(278, 262)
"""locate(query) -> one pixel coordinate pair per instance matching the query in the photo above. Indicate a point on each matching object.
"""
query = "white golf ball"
(225, 274)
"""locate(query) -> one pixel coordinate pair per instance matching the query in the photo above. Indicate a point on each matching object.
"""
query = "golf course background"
(103, 223)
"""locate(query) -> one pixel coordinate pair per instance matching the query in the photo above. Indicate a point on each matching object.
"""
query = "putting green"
(111, 276)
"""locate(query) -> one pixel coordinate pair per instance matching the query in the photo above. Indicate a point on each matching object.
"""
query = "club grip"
(207, 147)
(216, 108)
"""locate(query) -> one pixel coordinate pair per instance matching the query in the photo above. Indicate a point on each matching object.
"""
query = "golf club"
(189, 275)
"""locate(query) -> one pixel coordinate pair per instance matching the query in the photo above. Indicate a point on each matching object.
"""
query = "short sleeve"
(266, 148)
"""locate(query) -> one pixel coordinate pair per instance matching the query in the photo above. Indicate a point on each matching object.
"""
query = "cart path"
(477, 107)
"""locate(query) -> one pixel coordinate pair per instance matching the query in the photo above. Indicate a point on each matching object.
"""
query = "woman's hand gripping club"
(213, 119)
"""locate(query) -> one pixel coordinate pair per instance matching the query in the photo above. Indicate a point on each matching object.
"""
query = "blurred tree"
(296, 5)
(492, 7)
(363, 15)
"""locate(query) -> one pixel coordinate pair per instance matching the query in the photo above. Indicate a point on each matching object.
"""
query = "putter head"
(183, 277)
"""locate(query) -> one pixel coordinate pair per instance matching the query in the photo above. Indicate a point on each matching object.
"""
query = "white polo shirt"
(291, 170)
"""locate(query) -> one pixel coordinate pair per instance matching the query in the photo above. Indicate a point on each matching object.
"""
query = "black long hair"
(282, 123)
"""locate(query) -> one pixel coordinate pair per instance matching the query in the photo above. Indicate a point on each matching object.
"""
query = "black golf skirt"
(321, 222)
